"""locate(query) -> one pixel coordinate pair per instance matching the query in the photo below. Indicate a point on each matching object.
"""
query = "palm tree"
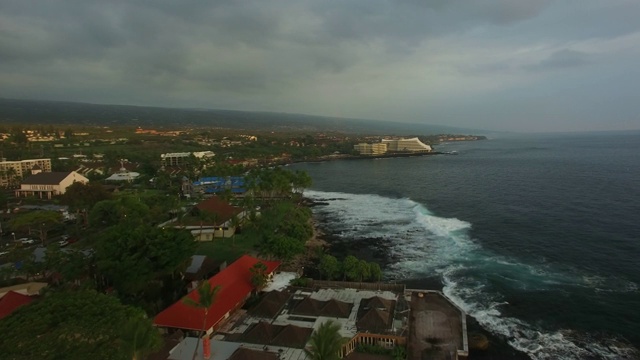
(206, 298)
(326, 342)
(140, 338)
(235, 222)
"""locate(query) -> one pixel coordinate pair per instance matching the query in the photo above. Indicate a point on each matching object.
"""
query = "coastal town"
(130, 242)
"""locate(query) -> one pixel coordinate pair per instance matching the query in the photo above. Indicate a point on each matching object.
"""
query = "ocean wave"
(425, 245)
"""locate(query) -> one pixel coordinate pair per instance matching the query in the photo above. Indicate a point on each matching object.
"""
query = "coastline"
(486, 344)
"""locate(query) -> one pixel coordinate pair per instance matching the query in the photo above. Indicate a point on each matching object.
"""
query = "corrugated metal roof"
(235, 285)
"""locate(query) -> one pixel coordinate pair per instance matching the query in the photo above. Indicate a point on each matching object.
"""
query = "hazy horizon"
(534, 66)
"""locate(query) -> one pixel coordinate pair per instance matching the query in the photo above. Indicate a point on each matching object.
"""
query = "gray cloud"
(561, 59)
(435, 61)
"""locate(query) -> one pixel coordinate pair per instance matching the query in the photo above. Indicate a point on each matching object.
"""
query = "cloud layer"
(532, 65)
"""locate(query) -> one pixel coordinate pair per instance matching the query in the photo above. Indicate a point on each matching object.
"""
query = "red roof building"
(235, 288)
(223, 210)
(11, 301)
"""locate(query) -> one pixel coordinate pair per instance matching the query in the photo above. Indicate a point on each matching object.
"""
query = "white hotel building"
(393, 145)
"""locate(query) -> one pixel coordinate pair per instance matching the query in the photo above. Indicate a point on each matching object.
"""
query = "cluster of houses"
(280, 324)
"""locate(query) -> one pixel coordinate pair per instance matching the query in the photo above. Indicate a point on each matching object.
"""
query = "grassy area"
(227, 249)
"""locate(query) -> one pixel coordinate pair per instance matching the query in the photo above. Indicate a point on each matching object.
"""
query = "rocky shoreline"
(486, 345)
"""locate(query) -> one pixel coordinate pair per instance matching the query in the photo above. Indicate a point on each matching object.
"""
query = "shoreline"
(493, 346)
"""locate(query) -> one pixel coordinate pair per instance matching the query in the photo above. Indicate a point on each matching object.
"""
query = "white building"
(172, 159)
(406, 145)
(176, 159)
(49, 184)
(371, 149)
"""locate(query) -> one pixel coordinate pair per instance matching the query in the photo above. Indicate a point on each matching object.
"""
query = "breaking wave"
(424, 245)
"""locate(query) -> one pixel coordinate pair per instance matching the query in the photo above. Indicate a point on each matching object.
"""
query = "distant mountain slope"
(54, 112)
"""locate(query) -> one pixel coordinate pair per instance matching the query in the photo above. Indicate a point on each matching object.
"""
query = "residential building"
(235, 287)
(11, 172)
(406, 145)
(371, 149)
(48, 184)
(213, 218)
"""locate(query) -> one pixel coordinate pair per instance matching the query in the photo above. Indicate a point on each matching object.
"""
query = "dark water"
(537, 237)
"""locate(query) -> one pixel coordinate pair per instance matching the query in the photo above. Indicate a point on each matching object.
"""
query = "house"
(235, 288)
(213, 218)
(48, 184)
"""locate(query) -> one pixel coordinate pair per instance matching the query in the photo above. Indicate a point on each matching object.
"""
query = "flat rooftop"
(437, 327)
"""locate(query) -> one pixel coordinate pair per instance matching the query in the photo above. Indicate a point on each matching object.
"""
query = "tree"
(363, 270)
(259, 275)
(42, 221)
(329, 267)
(125, 209)
(82, 197)
(350, 268)
(140, 338)
(326, 342)
(235, 223)
(374, 272)
(70, 325)
(206, 298)
(132, 258)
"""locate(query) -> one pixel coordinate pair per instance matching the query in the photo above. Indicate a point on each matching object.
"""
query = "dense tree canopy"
(82, 197)
(283, 230)
(329, 267)
(71, 325)
(40, 221)
(125, 209)
(132, 257)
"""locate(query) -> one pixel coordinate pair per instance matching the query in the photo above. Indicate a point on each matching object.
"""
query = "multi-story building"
(177, 159)
(371, 149)
(174, 159)
(11, 172)
(406, 145)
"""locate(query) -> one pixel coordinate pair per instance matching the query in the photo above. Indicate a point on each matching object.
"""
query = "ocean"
(537, 237)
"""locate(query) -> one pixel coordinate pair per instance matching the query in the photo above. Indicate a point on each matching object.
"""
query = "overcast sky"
(529, 65)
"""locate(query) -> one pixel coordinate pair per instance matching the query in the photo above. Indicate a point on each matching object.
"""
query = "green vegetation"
(326, 342)
(397, 352)
(134, 259)
(228, 249)
(351, 269)
(282, 230)
(76, 325)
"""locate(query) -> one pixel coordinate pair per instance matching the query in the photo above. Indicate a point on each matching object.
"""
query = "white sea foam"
(424, 245)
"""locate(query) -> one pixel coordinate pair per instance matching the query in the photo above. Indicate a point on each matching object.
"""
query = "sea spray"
(420, 244)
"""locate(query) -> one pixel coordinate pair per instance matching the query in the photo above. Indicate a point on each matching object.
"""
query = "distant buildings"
(15, 170)
(181, 158)
(406, 145)
(371, 149)
(411, 145)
